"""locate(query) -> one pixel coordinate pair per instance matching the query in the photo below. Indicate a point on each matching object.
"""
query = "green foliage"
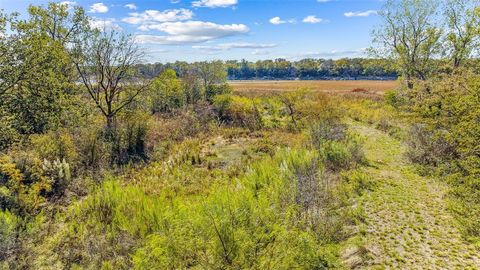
(283, 213)
(129, 141)
(25, 180)
(446, 139)
(240, 111)
(167, 92)
(55, 145)
(214, 90)
(8, 135)
(8, 234)
(338, 148)
(394, 98)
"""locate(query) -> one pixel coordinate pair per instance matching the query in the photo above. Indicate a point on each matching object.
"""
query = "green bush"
(8, 234)
(214, 90)
(394, 98)
(338, 148)
(55, 145)
(445, 138)
(166, 92)
(239, 111)
(129, 141)
(8, 135)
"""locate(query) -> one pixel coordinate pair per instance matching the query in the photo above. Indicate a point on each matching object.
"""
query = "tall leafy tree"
(463, 29)
(409, 35)
(39, 75)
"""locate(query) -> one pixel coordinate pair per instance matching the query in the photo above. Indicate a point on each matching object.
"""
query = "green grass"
(406, 214)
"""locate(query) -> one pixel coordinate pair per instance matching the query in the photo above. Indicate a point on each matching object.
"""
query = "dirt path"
(408, 225)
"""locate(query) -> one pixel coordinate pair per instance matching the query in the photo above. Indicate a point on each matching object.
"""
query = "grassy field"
(260, 87)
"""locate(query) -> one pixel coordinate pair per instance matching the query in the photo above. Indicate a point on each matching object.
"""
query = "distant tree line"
(282, 69)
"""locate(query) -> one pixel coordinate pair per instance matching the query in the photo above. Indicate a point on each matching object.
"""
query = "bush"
(8, 135)
(55, 145)
(129, 141)
(394, 98)
(429, 148)
(92, 148)
(8, 234)
(240, 111)
(25, 179)
(338, 148)
(217, 89)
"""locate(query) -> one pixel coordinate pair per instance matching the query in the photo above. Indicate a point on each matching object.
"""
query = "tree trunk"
(110, 129)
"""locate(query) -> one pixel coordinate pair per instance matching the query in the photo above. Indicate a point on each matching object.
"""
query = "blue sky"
(192, 30)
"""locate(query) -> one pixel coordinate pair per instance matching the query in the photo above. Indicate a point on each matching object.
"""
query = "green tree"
(410, 36)
(463, 30)
(166, 92)
(211, 73)
(37, 74)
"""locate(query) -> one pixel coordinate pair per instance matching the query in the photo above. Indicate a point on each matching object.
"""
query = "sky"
(197, 30)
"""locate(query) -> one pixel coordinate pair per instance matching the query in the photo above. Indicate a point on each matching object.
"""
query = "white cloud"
(98, 8)
(334, 54)
(360, 13)
(278, 20)
(68, 3)
(261, 52)
(155, 16)
(312, 19)
(131, 6)
(190, 32)
(237, 45)
(104, 24)
(214, 3)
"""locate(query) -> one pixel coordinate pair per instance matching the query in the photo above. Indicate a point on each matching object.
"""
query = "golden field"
(260, 87)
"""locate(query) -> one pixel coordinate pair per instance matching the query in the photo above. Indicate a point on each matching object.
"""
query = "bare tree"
(409, 35)
(106, 64)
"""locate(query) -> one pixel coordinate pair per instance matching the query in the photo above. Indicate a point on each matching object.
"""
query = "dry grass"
(265, 87)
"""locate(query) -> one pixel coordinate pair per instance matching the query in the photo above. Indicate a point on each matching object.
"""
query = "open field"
(259, 87)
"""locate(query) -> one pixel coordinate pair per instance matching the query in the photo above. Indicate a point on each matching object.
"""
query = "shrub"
(59, 175)
(129, 141)
(8, 234)
(338, 148)
(8, 135)
(429, 148)
(25, 180)
(92, 148)
(214, 90)
(240, 111)
(395, 98)
(55, 145)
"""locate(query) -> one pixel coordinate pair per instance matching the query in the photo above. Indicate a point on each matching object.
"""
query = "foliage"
(409, 36)
(8, 234)
(240, 111)
(447, 136)
(104, 62)
(244, 225)
(282, 69)
(167, 92)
